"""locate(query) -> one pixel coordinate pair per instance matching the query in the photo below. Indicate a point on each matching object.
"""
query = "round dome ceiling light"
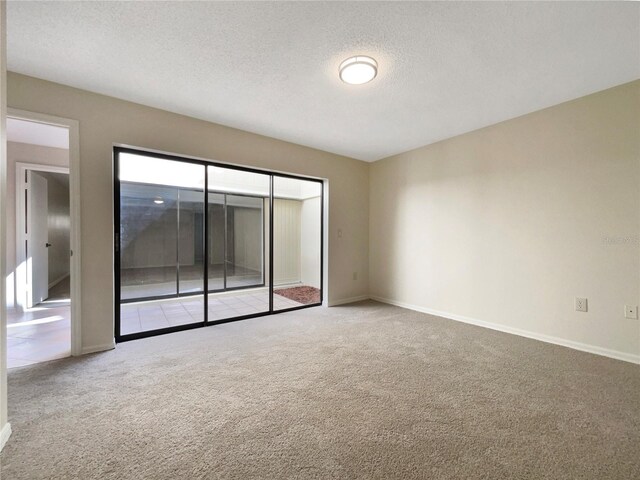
(358, 70)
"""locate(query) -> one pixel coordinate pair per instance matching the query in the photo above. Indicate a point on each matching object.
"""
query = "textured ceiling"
(271, 68)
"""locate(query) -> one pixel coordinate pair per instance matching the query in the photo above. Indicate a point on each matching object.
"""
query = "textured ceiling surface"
(272, 68)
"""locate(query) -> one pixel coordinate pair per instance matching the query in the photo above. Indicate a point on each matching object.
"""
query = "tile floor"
(39, 334)
(149, 282)
(154, 315)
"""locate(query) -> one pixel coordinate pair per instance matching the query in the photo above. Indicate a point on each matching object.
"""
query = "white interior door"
(37, 239)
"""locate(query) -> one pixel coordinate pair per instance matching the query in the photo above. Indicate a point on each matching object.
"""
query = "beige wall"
(286, 241)
(24, 153)
(105, 121)
(509, 223)
(310, 242)
(248, 237)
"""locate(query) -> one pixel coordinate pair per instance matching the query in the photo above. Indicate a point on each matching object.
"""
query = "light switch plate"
(631, 311)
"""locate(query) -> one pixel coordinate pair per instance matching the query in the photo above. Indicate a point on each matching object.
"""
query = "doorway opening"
(39, 239)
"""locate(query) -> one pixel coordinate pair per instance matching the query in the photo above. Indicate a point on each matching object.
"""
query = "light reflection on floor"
(38, 335)
(41, 333)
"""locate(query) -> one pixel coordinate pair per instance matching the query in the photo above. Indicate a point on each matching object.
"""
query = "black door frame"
(205, 163)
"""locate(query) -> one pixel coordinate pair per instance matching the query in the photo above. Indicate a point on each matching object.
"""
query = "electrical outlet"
(581, 304)
(355, 275)
(631, 311)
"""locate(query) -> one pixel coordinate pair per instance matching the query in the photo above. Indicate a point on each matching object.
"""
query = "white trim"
(74, 197)
(343, 301)
(583, 347)
(99, 348)
(325, 244)
(40, 167)
(58, 280)
(5, 433)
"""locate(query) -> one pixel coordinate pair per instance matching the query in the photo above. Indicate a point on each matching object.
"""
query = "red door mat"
(305, 295)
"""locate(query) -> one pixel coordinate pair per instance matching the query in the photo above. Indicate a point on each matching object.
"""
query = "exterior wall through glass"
(199, 243)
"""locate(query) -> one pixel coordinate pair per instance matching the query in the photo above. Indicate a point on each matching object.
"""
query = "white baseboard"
(5, 433)
(335, 303)
(99, 348)
(584, 347)
(57, 281)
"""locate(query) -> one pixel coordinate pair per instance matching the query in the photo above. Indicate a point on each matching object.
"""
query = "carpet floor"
(359, 391)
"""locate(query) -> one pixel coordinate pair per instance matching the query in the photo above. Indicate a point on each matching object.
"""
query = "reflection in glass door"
(217, 241)
(237, 281)
(236, 241)
(194, 243)
(161, 243)
(245, 241)
(190, 249)
(148, 261)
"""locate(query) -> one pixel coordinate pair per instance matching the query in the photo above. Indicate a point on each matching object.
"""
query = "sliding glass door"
(198, 243)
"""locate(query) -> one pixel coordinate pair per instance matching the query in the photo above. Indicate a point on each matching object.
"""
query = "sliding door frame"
(117, 150)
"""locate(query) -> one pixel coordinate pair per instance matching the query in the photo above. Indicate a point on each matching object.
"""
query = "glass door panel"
(245, 241)
(238, 285)
(216, 236)
(148, 260)
(161, 245)
(190, 241)
(297, 242)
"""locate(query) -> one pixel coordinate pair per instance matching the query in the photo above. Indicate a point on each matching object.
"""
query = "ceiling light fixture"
(158, 201)
(358, 70)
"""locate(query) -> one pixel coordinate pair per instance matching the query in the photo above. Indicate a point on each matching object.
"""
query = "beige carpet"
(360, 391)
